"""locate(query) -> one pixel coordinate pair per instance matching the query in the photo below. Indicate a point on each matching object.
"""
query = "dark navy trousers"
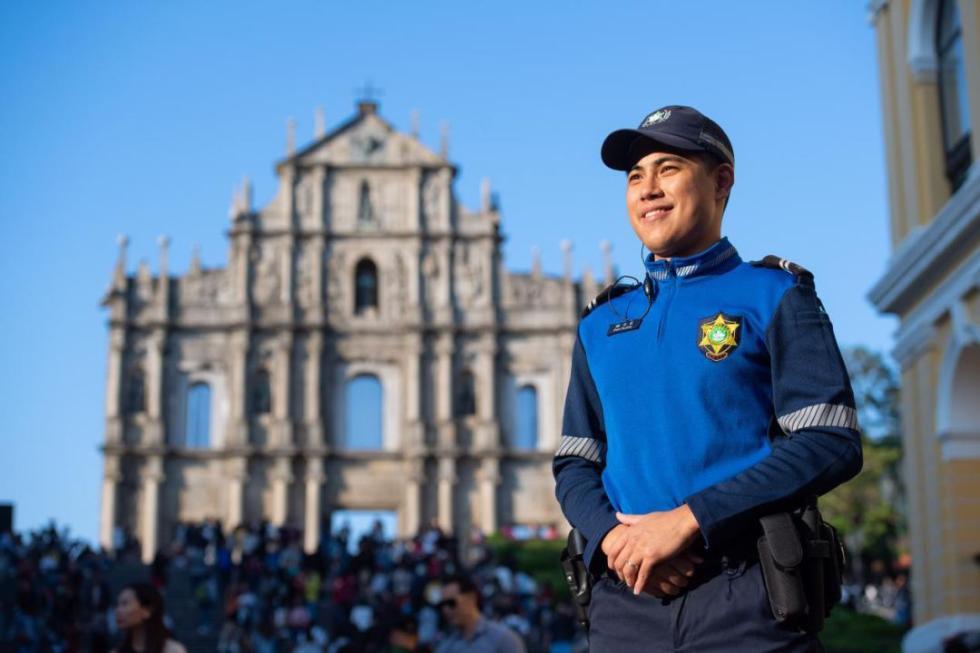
(725, 608)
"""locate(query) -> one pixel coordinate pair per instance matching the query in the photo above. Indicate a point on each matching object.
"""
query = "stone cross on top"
(369, 95)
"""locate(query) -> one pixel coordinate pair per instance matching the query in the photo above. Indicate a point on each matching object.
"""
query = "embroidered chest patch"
(719, 336)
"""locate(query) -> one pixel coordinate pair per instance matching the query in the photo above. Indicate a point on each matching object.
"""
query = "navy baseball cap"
(676, 127)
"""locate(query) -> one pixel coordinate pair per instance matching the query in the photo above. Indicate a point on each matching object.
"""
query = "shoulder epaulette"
(609, 292)
(798, 271)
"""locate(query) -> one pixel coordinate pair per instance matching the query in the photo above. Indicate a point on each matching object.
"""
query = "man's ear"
(724, 180)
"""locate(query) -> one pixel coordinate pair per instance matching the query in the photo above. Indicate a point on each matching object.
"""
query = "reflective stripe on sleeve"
(588, 448)
(836, 415)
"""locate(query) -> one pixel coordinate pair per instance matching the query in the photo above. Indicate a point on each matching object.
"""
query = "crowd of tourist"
(255, 590)
(53, 594)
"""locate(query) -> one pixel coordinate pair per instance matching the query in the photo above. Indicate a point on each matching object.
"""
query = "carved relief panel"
(435, 200)
(471, 264)
(266, 268)
(307, 266)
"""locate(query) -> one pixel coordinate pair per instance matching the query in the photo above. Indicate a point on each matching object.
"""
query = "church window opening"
(466, 394)
(364, 409)
(197, 432)
(365, 212)
(953, 102)
(261, 393)
(365, 285)
(526, 426)
(135, 392)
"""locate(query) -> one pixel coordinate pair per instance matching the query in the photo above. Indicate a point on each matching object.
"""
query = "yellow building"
(929, 58)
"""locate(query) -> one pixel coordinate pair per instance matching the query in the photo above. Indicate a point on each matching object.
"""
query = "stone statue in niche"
(430, 277)
(265, 287)
(335, 280)
(432, 199)
(304, 275)
(304, 197)
(469, 275)
(398, 286)
(366, 215)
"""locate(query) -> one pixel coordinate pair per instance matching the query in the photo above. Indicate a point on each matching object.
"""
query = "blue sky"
(139, 118)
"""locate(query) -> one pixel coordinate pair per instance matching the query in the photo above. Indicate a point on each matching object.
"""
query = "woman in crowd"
(139, 615)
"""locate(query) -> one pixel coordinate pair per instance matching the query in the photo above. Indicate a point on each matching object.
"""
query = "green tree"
(867, 511)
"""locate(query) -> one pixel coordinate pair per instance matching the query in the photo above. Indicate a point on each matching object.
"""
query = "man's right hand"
(667, 579)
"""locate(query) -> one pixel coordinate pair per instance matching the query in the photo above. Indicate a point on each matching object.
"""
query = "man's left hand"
(650, 540)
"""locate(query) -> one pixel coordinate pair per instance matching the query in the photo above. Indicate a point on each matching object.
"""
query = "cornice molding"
(925, 253)
(918, 329)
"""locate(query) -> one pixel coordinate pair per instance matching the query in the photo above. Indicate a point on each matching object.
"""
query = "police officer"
(707, 395)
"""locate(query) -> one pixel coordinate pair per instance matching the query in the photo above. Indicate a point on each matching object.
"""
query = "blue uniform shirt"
(680, 408)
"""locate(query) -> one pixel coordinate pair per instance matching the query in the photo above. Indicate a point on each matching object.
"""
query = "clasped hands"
(652, 552)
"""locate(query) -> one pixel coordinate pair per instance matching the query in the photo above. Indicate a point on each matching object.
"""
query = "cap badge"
(655, 117)
(719, 336)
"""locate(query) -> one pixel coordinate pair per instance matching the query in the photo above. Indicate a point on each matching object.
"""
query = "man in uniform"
(707, 396)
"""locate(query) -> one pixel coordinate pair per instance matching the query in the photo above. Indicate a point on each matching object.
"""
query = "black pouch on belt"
(781, 558)
(577, 575)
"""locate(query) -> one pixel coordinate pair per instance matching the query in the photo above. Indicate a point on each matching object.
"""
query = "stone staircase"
(183, 609)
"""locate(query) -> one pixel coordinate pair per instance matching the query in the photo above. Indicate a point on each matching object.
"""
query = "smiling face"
(675, 202)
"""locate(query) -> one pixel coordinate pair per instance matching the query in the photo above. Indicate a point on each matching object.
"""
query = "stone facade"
(929, 60)
(364, 265)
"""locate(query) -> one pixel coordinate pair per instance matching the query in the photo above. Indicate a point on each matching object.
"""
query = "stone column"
(312, 398)
(281, 398)
(489, 480)
(486, 377)
(113, 398)
(156, 344)
(315, 478)
(281, 478)
(486, 393)
(447, 481)
(151, 478)
(317, 208)
(411, 364)
(316, 291)
(444, 300)
(411, 515)
(236, 471)
(239, 266)
(444, 378)
(107, 518)
(237, 430)
(288, 182)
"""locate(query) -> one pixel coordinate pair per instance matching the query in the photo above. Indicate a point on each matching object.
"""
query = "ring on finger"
(630, 563)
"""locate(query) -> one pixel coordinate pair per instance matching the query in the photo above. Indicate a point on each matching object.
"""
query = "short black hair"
(406, 623)
(466, 586)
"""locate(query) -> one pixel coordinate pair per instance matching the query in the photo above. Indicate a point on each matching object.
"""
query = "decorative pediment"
(366, 140)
